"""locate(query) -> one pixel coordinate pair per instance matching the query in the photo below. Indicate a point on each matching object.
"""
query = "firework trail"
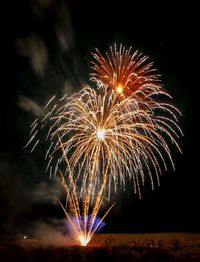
(83, 225)
(98, 137)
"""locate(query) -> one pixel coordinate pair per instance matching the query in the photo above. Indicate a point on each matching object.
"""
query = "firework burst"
(104, 140)
(126, 72)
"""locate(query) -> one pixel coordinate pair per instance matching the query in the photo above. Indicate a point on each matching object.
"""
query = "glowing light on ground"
(83, 240)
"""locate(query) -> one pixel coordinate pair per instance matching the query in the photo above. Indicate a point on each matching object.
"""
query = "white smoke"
(29, 105)
(35, 49)
(53, 233)
(46, 193)
(63, 27)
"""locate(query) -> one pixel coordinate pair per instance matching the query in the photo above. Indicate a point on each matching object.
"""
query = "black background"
(167, 33)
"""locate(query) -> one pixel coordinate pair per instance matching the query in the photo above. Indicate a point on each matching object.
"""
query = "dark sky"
(46, 50)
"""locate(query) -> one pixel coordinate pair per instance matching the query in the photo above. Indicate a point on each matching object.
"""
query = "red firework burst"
(126, 72)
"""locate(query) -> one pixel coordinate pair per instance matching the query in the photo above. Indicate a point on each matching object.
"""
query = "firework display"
(100, 136)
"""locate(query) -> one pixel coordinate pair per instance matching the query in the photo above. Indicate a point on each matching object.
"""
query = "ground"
(184, 247)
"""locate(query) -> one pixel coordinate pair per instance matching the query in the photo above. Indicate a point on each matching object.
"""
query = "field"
(184, 247)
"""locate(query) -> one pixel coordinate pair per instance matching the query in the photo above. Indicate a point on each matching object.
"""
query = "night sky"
(46, 51)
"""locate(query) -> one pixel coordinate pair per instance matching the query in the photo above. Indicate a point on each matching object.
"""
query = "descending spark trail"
(98, 137)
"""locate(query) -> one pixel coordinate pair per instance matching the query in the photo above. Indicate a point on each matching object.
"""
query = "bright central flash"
(101, 133)
(83, 240)
(119, 89)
